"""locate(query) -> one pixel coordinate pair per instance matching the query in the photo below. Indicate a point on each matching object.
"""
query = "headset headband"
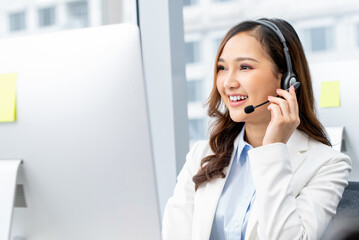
(276, 30)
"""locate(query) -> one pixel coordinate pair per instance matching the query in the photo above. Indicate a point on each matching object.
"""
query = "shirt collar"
(242, 144)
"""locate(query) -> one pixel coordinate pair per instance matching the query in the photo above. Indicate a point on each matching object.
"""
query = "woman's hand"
(284, 117)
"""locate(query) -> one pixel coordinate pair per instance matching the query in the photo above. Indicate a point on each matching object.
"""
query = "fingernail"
(278, 89)
(270, 97)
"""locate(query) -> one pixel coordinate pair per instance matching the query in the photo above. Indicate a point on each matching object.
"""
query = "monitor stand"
(8, 178)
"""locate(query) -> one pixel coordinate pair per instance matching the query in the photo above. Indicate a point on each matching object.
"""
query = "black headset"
(289, 77)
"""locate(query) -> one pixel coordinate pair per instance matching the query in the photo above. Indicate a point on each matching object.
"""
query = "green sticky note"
(8, 97)
(330, 94)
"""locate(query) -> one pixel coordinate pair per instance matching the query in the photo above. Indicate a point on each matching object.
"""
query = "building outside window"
(78, 14)
(192, 52)
(195, 90)
(216, 43)
(17, 21)
(197, 129)
(189, 2)
(47, 16)
(319, 39)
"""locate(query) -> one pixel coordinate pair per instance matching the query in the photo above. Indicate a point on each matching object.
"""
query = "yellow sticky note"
(8, 97)
(330, 94)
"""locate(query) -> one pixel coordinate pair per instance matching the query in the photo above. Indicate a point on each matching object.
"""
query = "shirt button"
(236, 224)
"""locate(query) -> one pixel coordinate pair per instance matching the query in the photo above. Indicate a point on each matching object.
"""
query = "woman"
(269, 174)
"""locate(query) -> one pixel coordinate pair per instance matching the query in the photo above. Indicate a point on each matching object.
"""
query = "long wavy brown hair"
(224, 130)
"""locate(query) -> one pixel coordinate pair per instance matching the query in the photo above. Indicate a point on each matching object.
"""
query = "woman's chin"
(238, 116)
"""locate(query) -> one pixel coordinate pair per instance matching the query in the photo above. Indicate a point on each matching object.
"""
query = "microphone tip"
(296, 85)
(249, 109)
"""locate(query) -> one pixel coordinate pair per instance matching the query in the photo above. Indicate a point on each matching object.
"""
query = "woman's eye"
(221, 68)
(245, 67)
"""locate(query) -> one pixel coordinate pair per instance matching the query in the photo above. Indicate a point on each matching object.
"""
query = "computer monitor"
(82, 131)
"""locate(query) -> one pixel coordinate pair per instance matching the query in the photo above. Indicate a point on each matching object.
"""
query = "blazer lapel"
(212, 193)
(296, 145)
(252, 223)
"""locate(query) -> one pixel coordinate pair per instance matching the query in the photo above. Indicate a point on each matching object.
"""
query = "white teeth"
(237, 98)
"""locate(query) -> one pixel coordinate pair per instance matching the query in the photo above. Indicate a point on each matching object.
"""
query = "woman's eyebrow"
(238, 59)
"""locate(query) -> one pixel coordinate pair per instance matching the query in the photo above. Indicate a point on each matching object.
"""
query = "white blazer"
(298, 188)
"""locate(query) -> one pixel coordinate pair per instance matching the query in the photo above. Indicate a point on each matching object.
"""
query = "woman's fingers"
(275, 112)
(282, 104)
(287, 106)
(284, 117)
(291, 98)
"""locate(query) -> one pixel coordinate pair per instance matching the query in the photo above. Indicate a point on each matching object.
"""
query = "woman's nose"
(231, 81)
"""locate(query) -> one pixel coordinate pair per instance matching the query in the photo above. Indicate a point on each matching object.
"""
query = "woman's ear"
(279, 79)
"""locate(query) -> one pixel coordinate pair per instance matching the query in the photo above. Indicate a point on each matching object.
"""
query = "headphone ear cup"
(288, 80)
(285, 81)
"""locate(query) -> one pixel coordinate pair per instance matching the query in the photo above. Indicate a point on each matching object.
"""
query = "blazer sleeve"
(281, 215)
(177, 217)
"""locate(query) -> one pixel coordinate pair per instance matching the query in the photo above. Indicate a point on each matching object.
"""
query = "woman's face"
(245, 72)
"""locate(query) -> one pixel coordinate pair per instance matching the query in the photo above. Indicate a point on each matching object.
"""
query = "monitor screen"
(82, 131)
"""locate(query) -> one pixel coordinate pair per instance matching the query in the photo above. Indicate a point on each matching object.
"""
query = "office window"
(319, 39)
(196, 129)
(34, 17)
(189, 2)
(77, 13)
(195, 90)
(192, 54)
(17, 21)
(216, 43)
(222, 0)
(47, 16)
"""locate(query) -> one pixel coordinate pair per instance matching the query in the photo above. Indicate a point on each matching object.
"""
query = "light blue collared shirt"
(233, 209)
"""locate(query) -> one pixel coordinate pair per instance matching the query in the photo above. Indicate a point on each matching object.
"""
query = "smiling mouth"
(237, 98)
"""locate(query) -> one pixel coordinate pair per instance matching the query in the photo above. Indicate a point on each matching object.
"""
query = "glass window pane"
(17, 21)
(47, 16)
(77, 14)
(194, 90)
(319, 39)
(196, 129)
(192, 52)
(42, 16)
(189, 2)
(216, 43)
(330, 38)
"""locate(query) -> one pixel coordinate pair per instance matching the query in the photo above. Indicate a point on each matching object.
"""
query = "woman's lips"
(237, 103)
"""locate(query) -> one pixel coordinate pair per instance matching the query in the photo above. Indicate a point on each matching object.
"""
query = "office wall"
(347, 114)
